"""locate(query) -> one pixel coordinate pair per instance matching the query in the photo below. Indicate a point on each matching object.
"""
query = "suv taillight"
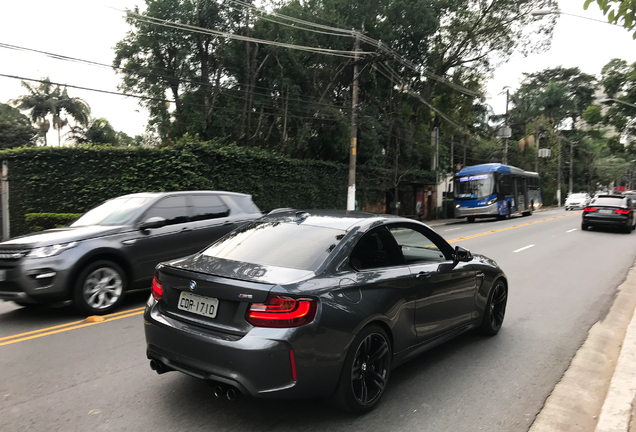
(590, 209)
(622, 211)
(282, 311)
(157, 289)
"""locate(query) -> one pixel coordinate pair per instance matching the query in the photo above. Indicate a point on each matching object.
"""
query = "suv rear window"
(609, 201)
(278, 244)
(245, 203)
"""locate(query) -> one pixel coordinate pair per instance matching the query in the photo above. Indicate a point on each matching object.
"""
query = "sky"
(89, 30)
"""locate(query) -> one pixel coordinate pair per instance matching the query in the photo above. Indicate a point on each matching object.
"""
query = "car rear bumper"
(258, 364)
(606, 221)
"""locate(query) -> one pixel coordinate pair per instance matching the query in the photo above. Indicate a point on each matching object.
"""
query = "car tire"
(470, 219)
(584, 227)
(361, 386)
(100, 288)
(495, 310)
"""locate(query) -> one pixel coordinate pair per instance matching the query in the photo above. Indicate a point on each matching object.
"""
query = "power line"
(202, 30)
(155, 99)
(370, 41)
(391, 76)
(144, 73)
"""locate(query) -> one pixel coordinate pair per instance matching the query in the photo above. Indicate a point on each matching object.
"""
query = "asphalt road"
(95, 377)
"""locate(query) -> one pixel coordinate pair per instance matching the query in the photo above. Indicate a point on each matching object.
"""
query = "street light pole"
(571, 167)
(505, 152)
(559, 175)
(353, 148)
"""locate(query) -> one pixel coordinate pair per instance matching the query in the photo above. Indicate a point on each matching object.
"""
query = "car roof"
(611, 196)
(336, 219)
(176, 193)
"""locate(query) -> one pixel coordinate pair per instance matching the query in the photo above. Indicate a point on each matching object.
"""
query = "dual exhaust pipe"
(228, 392)
(221, 391)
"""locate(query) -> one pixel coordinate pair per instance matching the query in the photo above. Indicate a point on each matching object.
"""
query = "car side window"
(376, 249)
(416, 247)
(208, 207)
(173, 209)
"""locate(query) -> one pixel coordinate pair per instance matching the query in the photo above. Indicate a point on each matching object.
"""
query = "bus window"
(505, 185)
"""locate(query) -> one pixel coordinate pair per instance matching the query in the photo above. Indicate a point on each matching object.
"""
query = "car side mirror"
(462, 255)
(153, 223)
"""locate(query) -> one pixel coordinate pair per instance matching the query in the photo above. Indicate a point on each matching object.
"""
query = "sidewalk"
(597, 391)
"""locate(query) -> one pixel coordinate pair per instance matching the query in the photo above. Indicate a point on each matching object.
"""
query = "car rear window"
(245, 203)
(289, 245)
(609, 201)
(577, 196)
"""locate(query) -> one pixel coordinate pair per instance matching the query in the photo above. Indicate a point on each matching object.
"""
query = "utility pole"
(570, 186)
(536, 159)
(505, 152)
(559, 175)
(353, 148)
(436, 170)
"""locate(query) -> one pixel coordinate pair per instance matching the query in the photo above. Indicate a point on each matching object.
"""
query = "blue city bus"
(495, 190)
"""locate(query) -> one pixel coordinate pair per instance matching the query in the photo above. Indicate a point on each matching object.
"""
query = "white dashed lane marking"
(523, 248)
(573, 229)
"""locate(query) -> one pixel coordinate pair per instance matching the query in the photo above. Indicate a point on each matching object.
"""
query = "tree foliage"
(621, 12)
(15, 128)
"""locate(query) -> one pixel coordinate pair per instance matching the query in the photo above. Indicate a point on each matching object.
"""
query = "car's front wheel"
(365, 372)
(495, 309)
(99, 289)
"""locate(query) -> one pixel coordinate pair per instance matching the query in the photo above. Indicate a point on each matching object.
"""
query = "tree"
(15, 128)
(99, 131)
(617, 11)
(48, 100)
(593, 115)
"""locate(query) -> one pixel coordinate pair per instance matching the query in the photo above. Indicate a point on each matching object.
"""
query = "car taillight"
(621, 211)
(590, 209)
(157, 289)
(281, 311)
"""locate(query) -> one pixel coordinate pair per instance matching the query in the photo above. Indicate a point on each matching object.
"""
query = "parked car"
(308, 304)
(577, 200)
(116, 246)
(610, 210)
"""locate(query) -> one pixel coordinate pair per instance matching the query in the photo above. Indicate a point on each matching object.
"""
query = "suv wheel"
(99, 289)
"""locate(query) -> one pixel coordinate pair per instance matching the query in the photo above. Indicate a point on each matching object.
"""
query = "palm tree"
(98, 131)
(47, 99)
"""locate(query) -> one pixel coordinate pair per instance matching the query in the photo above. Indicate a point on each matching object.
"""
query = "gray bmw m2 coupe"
(319, 303)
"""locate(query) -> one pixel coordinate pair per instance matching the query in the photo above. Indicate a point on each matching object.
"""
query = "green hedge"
(75, 179)
(43, 221)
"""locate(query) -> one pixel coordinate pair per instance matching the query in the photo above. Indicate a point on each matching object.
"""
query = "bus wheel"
(471, 219)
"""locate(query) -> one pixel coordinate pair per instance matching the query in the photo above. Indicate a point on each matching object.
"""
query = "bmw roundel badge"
(193, 286)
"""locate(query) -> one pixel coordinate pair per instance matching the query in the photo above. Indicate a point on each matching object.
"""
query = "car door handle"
(423, 275)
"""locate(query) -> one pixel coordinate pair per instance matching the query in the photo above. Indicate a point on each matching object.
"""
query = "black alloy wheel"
(365, 372)
(495, 310)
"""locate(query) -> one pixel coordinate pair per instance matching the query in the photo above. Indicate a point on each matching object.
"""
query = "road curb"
(616, 413)
(579, 397)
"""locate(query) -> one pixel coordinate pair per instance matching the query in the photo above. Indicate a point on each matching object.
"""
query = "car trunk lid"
(212, 301)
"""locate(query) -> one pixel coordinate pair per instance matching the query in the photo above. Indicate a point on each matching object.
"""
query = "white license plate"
(3, 275)
(606, 211)
(200, 305)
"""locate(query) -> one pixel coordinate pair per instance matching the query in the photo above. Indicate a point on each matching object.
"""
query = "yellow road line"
(509, 228)
(68, 326)
(8, 340)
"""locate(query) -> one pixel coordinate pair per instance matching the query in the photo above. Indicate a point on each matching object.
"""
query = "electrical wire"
(142, 73)
(159, 99)
(232, 36)
(406, 89)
